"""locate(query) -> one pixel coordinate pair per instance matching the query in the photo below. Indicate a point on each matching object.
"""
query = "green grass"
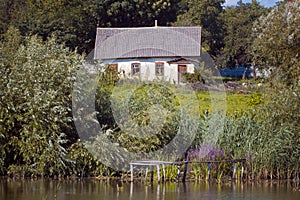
(230, 103)
(204, 101)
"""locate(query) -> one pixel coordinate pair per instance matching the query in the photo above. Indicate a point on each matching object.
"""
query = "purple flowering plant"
(206, 152)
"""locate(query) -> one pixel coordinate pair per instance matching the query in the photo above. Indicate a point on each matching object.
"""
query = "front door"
(181, 70)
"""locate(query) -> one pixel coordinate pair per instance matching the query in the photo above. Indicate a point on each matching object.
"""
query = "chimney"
(155, 22)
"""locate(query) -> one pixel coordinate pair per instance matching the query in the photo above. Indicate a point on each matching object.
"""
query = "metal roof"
(114, 43)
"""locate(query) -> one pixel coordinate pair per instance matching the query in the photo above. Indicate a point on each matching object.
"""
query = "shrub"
(36, 83)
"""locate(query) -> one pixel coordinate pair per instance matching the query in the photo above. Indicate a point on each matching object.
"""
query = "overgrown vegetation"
(37, 132)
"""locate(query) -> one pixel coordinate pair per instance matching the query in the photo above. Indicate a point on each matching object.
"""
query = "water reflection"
(116, 189)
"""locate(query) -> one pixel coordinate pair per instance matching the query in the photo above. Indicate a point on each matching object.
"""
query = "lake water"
(87, 189)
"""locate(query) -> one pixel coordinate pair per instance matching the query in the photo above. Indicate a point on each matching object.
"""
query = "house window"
(159, 68)
(135, 68)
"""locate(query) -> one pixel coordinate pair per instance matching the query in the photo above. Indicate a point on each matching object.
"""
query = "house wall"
(147, 70)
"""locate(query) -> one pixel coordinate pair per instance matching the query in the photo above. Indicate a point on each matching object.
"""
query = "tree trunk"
(254, 72)
(244, 74)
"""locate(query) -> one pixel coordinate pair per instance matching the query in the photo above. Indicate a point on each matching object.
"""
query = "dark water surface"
(94, 189)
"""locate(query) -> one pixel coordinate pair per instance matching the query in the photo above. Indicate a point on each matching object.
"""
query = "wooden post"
(234, 169)
(185, 171)
(208, 170)
(131, 172)
(164, 172)
(152, 174)
(158, 191)
(131, 190)
(178, 171)
(158, 173)
(146, 173)
(242, 174)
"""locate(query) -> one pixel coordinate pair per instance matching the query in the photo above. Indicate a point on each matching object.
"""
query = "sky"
(267, 3)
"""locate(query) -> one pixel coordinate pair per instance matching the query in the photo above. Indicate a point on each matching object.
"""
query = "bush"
(36, 85)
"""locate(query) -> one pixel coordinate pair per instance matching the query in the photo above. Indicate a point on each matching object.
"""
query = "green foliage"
(267, 145)
(281, 116)
(171, 172)
(106, 83)
(37, 134)
(200, 75)
(147, 96)
(207, 14)
(7, 12)
(235, 103)
(276, 46)
(146, 107)
(150, 104)
(72, 21)
(84, 162)
(2, 155)
(36, 84)
(255, 99)
(237, 41)
(132, 13)
(75, 21)
(239, 135)
(267, 136)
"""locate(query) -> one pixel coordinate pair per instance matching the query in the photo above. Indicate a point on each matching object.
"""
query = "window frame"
(133, 72)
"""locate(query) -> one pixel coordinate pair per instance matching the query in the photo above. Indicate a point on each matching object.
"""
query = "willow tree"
(276, 49)
(36, 81)
(277, 42)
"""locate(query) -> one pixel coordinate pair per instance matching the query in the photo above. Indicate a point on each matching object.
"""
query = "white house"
(149, 53)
